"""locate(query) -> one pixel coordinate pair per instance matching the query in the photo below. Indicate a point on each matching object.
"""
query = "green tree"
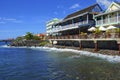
(19, 38)
(29, 36)
(36, 38)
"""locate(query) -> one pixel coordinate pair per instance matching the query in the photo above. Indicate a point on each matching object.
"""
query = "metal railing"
(88, 36)
(107, 21)
(70, 26)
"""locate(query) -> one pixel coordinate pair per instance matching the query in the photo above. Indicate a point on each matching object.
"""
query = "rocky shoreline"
(37, 44)
(27, 43)
(101, 51)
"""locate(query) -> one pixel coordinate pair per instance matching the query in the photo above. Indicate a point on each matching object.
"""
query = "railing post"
(117, 17)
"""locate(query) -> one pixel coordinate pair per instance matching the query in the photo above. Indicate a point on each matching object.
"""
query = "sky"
(20, 16)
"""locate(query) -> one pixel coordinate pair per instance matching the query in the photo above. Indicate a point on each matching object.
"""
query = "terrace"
(102, 35)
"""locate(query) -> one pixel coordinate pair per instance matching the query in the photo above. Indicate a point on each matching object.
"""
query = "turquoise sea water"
(56, 64)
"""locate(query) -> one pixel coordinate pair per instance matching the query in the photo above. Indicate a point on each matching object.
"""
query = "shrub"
(43, 43)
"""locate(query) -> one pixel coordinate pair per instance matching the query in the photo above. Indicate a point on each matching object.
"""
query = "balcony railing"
(71, 26)
(108, 21)
(88, 36)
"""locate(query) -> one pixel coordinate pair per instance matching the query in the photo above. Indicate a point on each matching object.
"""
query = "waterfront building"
(73, 29)
(50, 27)
(73, 24)
(111, 17)
(41, 36)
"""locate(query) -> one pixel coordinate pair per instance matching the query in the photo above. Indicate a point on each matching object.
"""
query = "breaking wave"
(109, 58)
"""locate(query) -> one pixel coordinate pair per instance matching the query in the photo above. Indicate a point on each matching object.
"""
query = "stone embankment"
(26, 43)
(101, 51)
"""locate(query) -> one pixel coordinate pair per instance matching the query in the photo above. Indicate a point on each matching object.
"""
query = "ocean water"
(42, 63)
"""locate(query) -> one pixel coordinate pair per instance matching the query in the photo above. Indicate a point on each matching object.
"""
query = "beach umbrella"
(111, 27)
(101, 28)
(92, 29)
(54, 42)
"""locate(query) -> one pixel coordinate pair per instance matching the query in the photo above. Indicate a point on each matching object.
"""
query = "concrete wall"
(111, 45)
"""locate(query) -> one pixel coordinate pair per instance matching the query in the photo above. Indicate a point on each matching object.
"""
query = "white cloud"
(9, 19)
(105, 3)
(18, 21)
(56, 13)
(6, 31)
(4, 20)
(59, 6)
(74, 6)
(64, 12)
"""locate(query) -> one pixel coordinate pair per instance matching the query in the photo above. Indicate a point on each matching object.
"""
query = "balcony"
(113, 20)
(88, 36)
(71, 26)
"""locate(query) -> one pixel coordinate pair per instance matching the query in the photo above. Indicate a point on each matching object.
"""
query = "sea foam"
(109, 58)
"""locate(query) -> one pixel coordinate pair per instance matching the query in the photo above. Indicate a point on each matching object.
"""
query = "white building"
(50, 27)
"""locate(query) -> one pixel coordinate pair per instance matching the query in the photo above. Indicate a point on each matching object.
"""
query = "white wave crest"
(109, 58)
(6, 46)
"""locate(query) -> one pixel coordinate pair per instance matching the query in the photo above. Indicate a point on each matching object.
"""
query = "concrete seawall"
(96, 44)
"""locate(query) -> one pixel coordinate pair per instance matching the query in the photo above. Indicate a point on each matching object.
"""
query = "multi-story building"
(50, 27)
(73, 29)
(73, 24)
(110, 17)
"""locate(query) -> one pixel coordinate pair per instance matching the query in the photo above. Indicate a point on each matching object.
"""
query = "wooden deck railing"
(88, 36)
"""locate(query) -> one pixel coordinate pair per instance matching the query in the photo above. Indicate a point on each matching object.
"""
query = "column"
(108, 18)
(52, 43)
(68, 35)
(72, 22)
(96, 45)
(117, 17)
(101, 19)
(87, 18)
(72, 43)
(79, 33)
(118, 46)
(80, 45)
(64, 44)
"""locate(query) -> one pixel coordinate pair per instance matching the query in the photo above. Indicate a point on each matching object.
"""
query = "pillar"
(118, 46)
(64, 44)
(108, 18)
(101, 19)
(68, 34)
(87, 18)
(79, 33)
(96, 45)
(80, 44)
(117, 17)
(52, 43)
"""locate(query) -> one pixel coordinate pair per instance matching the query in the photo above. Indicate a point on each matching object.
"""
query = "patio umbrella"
(111, 27)
(54, 42)
(92, 29)
(101, 28)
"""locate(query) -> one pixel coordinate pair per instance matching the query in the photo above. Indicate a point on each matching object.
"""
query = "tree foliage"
(29, 36)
